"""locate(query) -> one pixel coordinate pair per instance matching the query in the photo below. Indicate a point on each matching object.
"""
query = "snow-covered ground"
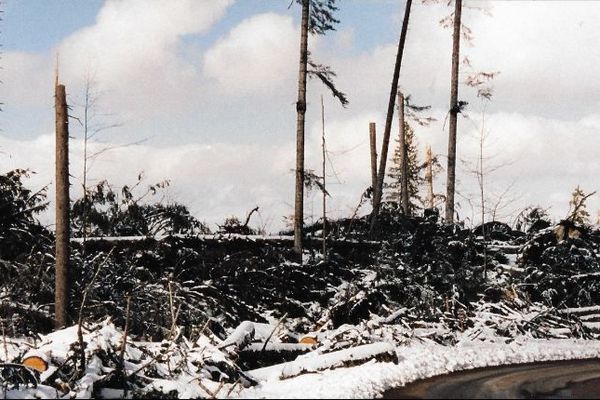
(420, 361)
(188, 367)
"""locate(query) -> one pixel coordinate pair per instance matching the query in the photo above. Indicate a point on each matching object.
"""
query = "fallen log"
(254, 356)
(382, 352)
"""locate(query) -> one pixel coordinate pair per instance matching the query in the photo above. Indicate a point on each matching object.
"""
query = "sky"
(202, 93)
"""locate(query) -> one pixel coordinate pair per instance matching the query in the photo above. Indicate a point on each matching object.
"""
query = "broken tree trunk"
(388, 120)
(61, 305)
(373, 142)
(324, 181)
(404, 199)
(429, 177)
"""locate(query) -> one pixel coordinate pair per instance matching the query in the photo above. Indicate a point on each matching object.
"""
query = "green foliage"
(532, 219)
(414, 170)
(321, 17)
(19, 206)
(106, 212)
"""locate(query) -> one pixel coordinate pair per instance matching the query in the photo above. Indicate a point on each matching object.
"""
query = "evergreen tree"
(413, 175)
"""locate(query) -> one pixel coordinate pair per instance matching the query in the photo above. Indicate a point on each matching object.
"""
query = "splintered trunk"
(429, 177)
(451, 181)
(62, 209)
(373, 142)
(324, 180)
(388, 120)
(301, 111)
(404, 199)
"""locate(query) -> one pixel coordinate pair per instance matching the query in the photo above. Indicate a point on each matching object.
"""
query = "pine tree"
(413, 173)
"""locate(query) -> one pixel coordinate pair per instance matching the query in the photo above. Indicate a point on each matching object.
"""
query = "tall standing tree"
(388, 121)
(317, 18)
(454, 110)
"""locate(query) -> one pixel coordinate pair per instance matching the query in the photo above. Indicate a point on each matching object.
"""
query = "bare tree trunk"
(301, 111)
(373, 141)
(324, 181)
(451, 181)
(404, 200)
(429, 177)
(389, 117)
(62, 209)
(480, 177)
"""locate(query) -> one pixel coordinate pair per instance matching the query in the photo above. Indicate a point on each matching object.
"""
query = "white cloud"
(257, 56)
(543, 117)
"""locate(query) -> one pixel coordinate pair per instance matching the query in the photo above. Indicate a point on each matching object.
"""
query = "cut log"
(240, 338)
(382, 352)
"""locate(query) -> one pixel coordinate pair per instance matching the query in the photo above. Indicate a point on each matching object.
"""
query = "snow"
(312, 363)
(419, 361)
(316, 374)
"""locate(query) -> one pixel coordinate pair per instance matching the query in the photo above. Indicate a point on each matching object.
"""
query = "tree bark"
(451, 181)
(429, 177)
(389, 117)
(301, 111)
(324, 181)
(403, 157)
(373, 142)
(62, 209)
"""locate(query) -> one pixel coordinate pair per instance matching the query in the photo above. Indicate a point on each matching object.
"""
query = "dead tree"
(61, 305)
(430, 202)
(300, 122)
(454, 110)
(373, 142)
(404, 200)
(389, 117)
(324, 179)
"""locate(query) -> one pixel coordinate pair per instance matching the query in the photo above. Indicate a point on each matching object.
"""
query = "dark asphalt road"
(578, 379)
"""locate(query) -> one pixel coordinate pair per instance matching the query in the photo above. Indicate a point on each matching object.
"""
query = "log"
(382, 352)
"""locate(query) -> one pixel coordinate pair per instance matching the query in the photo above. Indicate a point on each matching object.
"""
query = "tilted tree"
(317, 19)
(388, 121)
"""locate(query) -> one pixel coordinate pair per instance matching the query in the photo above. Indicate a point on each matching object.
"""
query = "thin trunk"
(451, 181)
(324, 181)
(62, 209)
(85, 162)
(429, 177)
(373, 141)
(403, 157)
(301, 111)
(389, 117)
(482, 194)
